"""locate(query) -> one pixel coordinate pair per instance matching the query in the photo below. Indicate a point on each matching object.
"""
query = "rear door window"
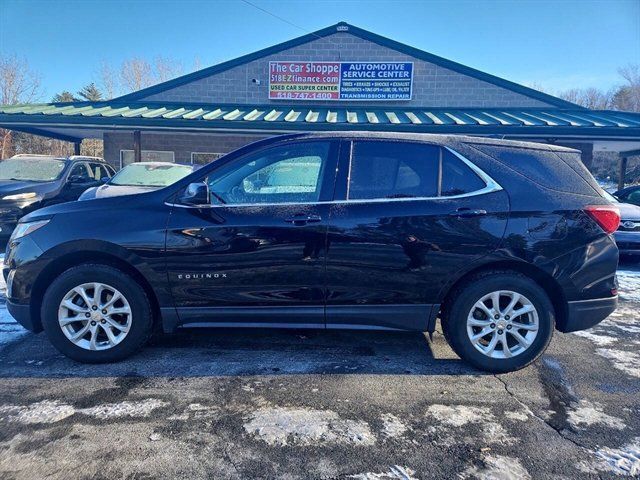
(393, 170)
(388, 170)
(98, 171)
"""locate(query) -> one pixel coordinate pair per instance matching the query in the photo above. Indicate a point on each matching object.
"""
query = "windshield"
(141, 175)
(31, 169)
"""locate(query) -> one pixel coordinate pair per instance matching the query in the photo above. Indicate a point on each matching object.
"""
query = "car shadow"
(629, 263)
(247, 352)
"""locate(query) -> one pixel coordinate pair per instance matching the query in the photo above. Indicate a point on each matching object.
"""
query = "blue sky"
(558, 44)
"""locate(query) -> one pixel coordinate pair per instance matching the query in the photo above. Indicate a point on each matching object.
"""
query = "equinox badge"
(200, 276)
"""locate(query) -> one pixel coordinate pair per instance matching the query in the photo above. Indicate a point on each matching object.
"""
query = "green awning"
(72, 119)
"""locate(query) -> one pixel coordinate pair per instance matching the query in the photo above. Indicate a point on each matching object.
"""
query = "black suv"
(29, 182)
(503, 241)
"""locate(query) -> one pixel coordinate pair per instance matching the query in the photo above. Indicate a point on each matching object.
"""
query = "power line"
(288, 22)
(276, 16)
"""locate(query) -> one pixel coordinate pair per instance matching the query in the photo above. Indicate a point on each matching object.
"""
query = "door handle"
(304, 219)
(465, 212)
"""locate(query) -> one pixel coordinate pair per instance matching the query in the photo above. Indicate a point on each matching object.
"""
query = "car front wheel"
(499, 321)
(96, 313)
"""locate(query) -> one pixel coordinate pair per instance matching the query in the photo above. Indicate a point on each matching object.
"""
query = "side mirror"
(104, 180)
(195, 194)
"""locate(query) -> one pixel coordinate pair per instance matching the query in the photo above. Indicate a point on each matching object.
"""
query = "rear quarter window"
(542, 167)
(457, 178)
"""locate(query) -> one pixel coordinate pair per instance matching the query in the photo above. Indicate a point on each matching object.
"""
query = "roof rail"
(70, 157)
(18, 155)
(76, 157)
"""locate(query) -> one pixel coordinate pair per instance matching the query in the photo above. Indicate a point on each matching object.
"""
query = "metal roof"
(275, 118)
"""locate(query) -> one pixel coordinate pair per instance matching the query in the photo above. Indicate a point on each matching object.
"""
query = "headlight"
(20, 196)
(23, 229)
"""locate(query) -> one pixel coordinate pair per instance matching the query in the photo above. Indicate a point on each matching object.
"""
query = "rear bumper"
(22, 314)
(583, 314)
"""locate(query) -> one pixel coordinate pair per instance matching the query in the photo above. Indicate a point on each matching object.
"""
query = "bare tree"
(136, 73)
(197, 64)
(628, 96)
(166, 69)
(18, 84)
(587, 97)
(108, 81)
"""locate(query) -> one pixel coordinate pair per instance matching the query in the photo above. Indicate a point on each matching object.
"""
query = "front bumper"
(22, 314)
(628, 242)
(9, 217)
(583, 314)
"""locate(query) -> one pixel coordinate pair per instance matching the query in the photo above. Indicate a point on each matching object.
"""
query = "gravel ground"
(321, 404)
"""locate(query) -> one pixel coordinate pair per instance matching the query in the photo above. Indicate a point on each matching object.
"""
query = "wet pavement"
(322, 404)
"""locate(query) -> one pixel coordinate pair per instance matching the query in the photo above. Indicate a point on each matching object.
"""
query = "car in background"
(628, 233)
(139, 178)
(629, 194)
(29, 182)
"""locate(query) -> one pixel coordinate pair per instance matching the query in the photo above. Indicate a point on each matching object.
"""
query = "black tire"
(141, 316)
(462, 299)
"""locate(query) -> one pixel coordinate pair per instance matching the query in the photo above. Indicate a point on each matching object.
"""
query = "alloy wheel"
(502, 324)
(95, 316)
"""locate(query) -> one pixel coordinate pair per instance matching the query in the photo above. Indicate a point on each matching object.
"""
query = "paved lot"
(316, 404)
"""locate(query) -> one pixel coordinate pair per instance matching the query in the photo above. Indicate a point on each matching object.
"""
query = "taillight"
(607, 216)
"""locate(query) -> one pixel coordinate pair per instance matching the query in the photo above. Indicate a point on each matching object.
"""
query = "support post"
(137, 146)
(76, 148)
(586, 155)
(623, 172)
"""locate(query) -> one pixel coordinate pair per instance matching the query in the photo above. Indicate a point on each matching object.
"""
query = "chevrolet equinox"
(503, 241)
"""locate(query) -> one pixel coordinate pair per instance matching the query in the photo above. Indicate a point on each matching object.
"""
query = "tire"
(129, 331)
(463, 317)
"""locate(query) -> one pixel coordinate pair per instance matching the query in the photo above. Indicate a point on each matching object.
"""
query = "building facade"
(338, 78)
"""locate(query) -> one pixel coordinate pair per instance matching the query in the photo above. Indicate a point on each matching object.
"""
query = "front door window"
(284, 174)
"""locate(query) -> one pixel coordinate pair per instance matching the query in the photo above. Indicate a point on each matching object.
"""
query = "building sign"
(340, 80)
(304, 80)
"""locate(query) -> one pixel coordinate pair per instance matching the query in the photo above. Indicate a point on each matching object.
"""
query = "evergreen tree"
(90, 92)
(65, 96)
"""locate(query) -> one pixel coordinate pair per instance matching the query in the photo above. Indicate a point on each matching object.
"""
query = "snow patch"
(395, 473)
(517, 416)
(496, 467)
(46, 411)
(629, 282)
(392, 426)
(456, 416)
(628, 362)
(124, 409)
(300, 426)
(587, 414)
(600, 340)
(621, 461)
(52, 411)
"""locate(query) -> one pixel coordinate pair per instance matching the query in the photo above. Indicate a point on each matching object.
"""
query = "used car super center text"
(432, 216)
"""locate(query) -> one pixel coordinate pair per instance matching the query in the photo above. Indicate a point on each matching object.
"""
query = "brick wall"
(182, 144)
(433, 85)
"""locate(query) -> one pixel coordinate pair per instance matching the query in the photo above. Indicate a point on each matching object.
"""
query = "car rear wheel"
(96, 313)
(499, 321)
